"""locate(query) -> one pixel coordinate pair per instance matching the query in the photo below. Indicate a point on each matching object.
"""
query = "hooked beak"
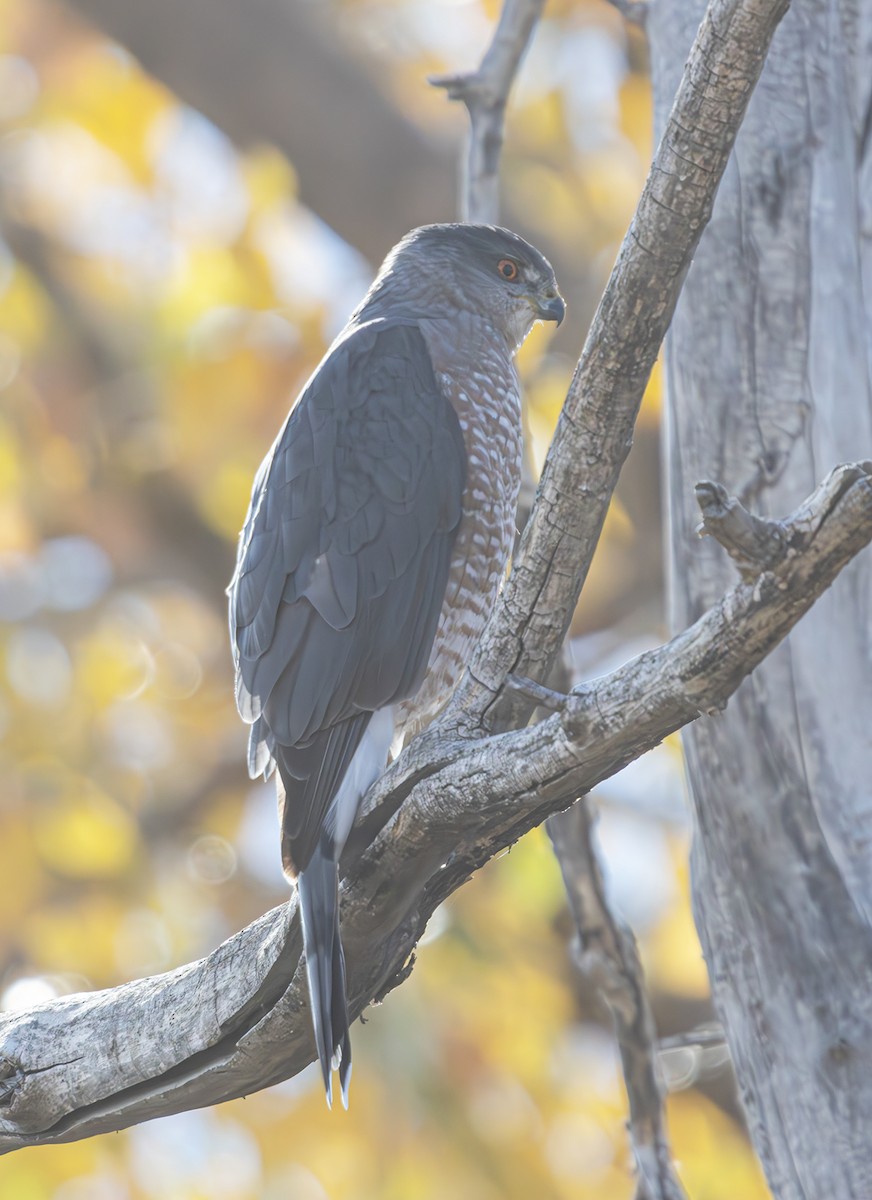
(550, 307)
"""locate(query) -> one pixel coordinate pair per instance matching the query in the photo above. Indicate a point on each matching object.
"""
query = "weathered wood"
(769, 374)
(485, 92)
(607, 955)
(238, 1021)
(557, 545)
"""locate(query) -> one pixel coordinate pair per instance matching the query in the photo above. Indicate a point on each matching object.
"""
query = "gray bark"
(238, 1020)
(768, 375)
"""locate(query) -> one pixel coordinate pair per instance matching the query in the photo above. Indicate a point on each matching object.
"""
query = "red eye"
(507, 268)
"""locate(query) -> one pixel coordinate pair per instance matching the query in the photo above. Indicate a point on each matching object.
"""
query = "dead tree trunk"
(769, 375)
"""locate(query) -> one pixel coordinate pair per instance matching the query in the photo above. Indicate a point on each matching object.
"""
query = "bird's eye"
(507, 268)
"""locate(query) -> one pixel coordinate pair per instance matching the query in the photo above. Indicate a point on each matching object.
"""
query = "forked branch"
(237, 1021)
(485, 93)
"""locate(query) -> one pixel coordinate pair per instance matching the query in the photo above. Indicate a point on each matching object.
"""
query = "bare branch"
(606, 953)
(608, 949)
(749, 540)
(485, 93)
(710, 1034)
(595, 430)
(537, 693)
(238, 1021)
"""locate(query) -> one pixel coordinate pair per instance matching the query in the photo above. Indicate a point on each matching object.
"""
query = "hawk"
(380, 526)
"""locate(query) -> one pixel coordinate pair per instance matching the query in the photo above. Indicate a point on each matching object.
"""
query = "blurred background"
(192, 198)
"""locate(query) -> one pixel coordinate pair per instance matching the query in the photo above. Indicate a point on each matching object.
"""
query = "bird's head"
(458, 271)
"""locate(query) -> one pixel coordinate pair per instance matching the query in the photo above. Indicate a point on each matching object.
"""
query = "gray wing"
(343, 564)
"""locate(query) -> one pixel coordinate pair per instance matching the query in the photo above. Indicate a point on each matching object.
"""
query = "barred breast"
(488, 405)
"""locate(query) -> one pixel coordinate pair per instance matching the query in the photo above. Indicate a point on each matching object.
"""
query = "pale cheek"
(521, 322)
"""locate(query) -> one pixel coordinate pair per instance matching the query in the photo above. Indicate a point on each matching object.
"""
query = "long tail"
(318, 886)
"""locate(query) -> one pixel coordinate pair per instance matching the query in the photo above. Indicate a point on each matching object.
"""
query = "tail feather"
(341, 1060)
(318, 886)
(325, 967)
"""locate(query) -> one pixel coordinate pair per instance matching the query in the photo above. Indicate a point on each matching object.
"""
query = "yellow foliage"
(652, 401)
(78, 830)
(15, 530)
(544, 396)
(269, 177)
(11, 465)
(9, 11)
(703, 1136)
(637, 113)
(112, 663)
(24, 313)
(37, 1174)
(618, 526)
(24, 881)
(537, 122)
(80, 938)
(62, 468)
(100, 89)
(208, 278)
(672, 953)
(547, 197)
(531, 869)
(612, 181)
(224, 498)
(184, 617)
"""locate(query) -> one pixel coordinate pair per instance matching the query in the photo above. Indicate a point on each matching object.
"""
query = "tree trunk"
(769, 377)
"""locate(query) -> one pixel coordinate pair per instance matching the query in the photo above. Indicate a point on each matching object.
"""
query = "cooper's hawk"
(379, 529)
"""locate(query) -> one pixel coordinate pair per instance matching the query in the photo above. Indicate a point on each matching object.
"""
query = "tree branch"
(607, 949)
(485, 93)
(608, 416)
(595, 430)
(607, 955)
(238, 1020)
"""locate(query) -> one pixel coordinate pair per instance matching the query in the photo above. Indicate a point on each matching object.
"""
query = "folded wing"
(343, 564)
